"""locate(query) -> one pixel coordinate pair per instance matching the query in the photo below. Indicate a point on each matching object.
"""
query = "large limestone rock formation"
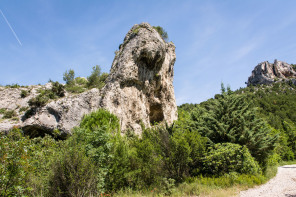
(267, 73)
(139, 90)
(140, 85)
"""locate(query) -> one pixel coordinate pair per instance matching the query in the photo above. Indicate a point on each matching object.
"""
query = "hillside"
(275, 104)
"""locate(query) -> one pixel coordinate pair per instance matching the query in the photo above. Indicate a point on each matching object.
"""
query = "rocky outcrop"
(140, 84)
(139, 90)
(267, 73)
(62, 114)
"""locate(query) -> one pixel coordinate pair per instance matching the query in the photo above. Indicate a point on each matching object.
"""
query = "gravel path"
(282, 185)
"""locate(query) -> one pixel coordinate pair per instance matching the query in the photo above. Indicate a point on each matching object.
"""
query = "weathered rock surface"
(140, 85)
(62, 114)
(267, 73)
(11, 100)
(139, 90)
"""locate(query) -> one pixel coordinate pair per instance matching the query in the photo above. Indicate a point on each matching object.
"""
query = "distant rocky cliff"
(267, 73)
(139, 90)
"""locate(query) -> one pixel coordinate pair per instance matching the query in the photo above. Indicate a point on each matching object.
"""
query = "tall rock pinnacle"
(140, 85)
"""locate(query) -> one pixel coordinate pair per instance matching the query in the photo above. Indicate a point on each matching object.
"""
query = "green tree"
(231, 119)
(227, 157)
(69, 77)
(74, 174)
(94, 78)
(14, 164)
(161, 32)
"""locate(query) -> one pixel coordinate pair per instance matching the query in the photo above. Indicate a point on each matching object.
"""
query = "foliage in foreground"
(97, 159)
(213, 145)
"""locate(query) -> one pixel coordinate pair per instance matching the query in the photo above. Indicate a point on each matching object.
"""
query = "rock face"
(140, 85)
(267, 73)
(63, 114)
(139, 90)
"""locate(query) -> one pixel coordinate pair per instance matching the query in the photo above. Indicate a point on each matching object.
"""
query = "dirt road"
(282, 185)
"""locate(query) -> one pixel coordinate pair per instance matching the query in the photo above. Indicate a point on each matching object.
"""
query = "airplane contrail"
(11, 28)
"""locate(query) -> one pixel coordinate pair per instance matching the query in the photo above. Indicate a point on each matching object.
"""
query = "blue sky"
(216, 41)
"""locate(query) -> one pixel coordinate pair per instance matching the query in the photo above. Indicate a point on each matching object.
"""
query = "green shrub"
(9, 114)
(23, 109)
(179, 158)
(39, 101)
(56, 91)
(75, 89)
(226, 158)
(24, 93)
(81, 81)
(43, 153)
(230, 118)
(95, 134)
(96, 79)
(74, 174)
(14, 85)
(2, 110)
(161, 32)
(14, 168)
(100, 118)
(69, 76)
(120, 174)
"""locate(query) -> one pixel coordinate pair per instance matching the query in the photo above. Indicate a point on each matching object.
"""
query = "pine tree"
(229, 118)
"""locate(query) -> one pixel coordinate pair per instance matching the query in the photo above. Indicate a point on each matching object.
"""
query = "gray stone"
(267, 73)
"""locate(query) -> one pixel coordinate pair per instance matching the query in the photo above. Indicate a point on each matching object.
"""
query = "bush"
(24, 93)
(2, 110)
(69, 76)
(161, 32)
(230, 118)
(74, 174)
(56, 91)
(14, 168)
(81, 81)
(14, 85)
(100, 118)
(75, 89)
(227, 157)
(9, 114)
(96, 79)
(95, 134)
(39, 101)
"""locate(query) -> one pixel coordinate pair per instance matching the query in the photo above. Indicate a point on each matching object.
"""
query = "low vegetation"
(218, 147)
(56, 91)
(162, 32)
(80, 84)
